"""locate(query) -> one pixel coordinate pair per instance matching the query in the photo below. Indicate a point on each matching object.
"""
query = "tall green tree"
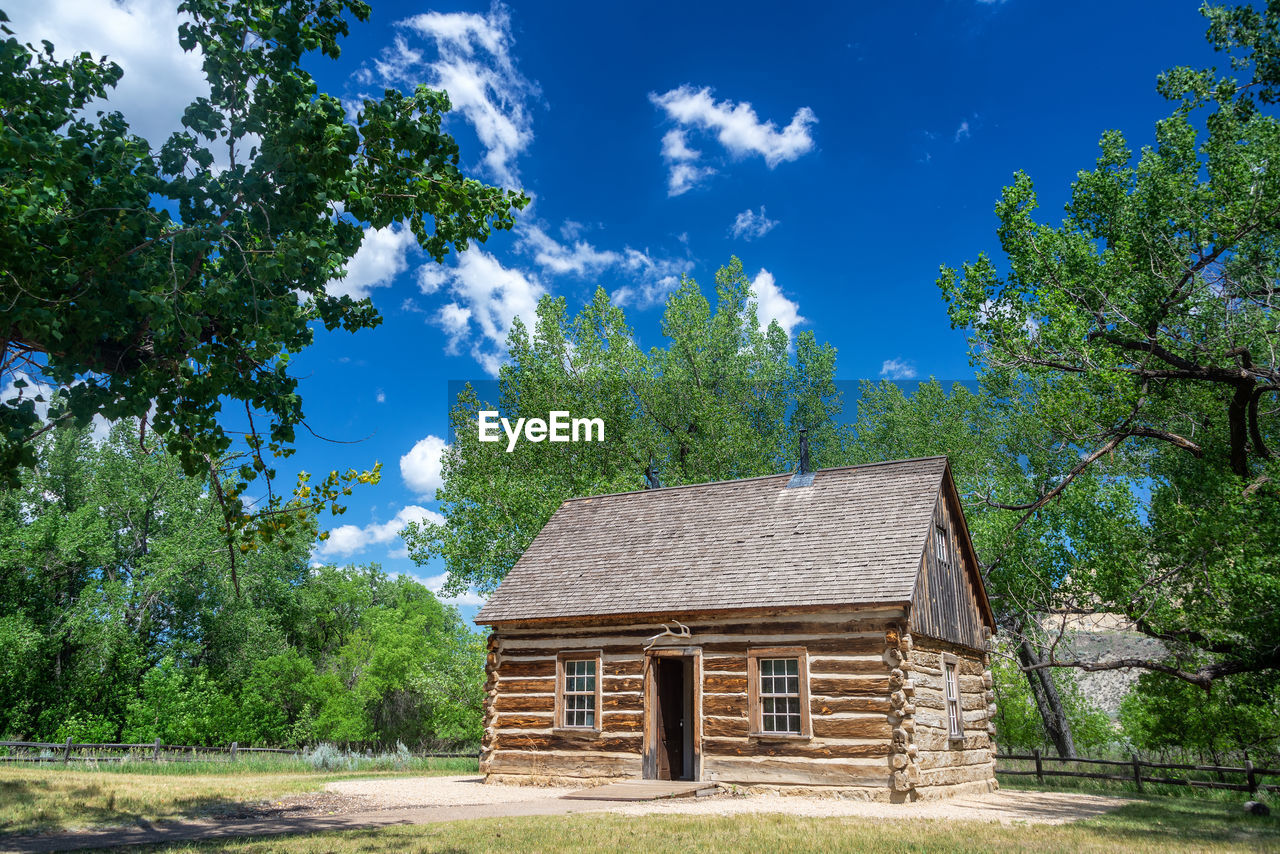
(1038, 571)
(168, 280)
(119, 620)
(722, 398)
(1145, 323)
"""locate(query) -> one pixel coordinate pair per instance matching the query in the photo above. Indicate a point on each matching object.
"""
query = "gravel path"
(1007, 807)
(437, 792)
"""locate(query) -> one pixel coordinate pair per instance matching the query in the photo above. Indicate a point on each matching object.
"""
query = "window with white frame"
(778, 692)
(955, 720)
(942, 545)
(780, 695)
(579, 695)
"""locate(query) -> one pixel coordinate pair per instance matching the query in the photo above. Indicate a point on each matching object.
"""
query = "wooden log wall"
(850, 686)
(946, 765)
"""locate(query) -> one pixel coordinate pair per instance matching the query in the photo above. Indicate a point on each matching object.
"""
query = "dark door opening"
(674, 731)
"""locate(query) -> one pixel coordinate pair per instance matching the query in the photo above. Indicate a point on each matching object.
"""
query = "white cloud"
(683, 177)
(675, 146)
(474, 65)
(682, 174)
(381, 396)
(962, 132)
(897, 369)
(100, 428)
(749, 225)
(735, 126)
(487, 297)
(33, 388)
(454, 320)
(347, 540)
(420, 468)
(771, 305)
(436, 583)
(653, 276)
(1006, 311)
(580, 260)
(431, 278)
(379, 260)
(141, 36)
(646, 294)
(571, 230)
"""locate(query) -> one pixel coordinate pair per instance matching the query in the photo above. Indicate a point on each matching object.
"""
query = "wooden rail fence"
(1134, 772)
(67, 751)
(62, 752)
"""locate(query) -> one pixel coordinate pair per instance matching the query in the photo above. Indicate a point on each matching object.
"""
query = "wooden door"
(670, 722)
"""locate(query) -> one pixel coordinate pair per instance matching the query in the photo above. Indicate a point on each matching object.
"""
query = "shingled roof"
(855, 536)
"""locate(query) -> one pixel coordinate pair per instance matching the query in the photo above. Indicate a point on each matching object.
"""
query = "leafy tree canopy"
(119, 622)
(1144, 327)
(722, 398)
(166, 281)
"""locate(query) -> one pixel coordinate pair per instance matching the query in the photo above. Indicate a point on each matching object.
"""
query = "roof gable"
(854, 537)
(949, 601)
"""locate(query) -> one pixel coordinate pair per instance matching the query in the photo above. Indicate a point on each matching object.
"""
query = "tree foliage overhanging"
(722, 398)
(1144, 329)
(165, 280)
(119, 623)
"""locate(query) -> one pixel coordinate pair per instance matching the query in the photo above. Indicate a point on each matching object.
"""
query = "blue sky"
(842, 151)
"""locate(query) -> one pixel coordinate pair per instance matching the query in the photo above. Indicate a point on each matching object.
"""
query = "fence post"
(1039, 769)
(66, 751)
(1249, 777)
(1137, 771)
(155, 753)
(234, 745)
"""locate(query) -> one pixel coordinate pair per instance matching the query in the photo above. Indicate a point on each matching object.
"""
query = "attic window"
(578, 697)
(778, 692)
(942, 546)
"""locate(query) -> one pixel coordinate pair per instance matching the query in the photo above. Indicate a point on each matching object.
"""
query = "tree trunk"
(1048, 701)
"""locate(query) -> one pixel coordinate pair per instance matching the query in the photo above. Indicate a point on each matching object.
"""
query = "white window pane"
(780, 695)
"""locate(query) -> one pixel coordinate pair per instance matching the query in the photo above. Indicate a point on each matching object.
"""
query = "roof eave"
(698, 613)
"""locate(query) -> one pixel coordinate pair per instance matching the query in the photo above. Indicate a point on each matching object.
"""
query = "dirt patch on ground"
(1006, 807)
(1011, 807)
(350, 797)
(440, 791)
(309, 804)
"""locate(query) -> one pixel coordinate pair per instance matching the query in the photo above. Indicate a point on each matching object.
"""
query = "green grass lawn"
(54, 798)
(1155, 826)
(1127, 789)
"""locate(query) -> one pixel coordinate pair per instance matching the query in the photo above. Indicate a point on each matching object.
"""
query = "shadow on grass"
(30, 807)
(1190, 820)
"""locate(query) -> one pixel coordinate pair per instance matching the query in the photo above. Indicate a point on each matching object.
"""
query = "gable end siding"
(944, 605)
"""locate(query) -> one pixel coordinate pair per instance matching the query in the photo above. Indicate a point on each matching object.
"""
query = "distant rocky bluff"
(1099, 637)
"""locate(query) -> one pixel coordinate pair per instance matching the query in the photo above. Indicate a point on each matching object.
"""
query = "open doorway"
(672, 718)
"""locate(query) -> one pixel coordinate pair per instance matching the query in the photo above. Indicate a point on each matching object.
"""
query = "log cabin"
(826, 630)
